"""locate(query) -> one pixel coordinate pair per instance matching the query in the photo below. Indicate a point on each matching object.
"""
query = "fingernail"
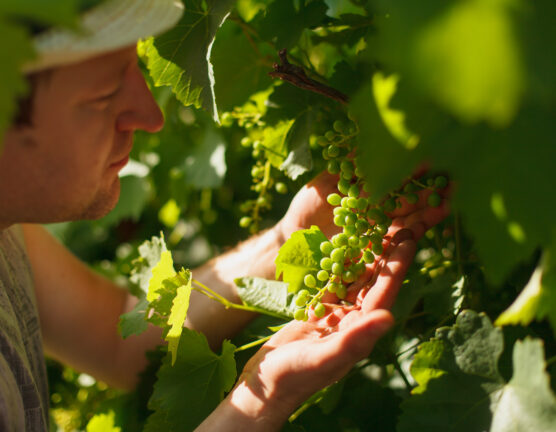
(401, 236)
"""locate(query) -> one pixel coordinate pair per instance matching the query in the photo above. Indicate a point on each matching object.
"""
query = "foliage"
(463, 87)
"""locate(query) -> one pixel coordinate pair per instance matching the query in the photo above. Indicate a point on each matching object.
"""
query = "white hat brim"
(112, 25)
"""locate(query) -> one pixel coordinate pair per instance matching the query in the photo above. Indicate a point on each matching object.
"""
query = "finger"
(383, 292)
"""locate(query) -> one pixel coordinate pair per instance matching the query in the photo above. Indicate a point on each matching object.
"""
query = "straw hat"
(112, 25)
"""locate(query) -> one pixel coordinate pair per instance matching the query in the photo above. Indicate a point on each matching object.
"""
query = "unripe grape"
(338, 211)
(349, 230)
(347, 175)
(353, 240)
(246, 142)
(334, 199)
(245, 221)
(358, 268)
(333, 151)
(362, 203)
(310, 281)
(375, 238)
(339, 221)
(301, 301)
(353, 252)
(376, 215)
(257, 145)
(281, 188)
(352, 202)
(381, 229)
(344, 202)
(337, 255)
(319, 310)
(361, 225)
(351, 218)
(322, 141)
(323, 275)
(434, 200)
(430, 182)
(326, 263)
(412, 198)
(346, 165)
(349, 276)
(325, 154)
(226, 119)
(363, 242)
(333, 167)
(337, 268)
(326, 247)
(368, 257)
(332, 287)
(329, 135)
(410, 188)
(377, 248)
(390, 205)
(299, 314)
(353, 191)
(340, 240)
(440, 182)
(339, 126)
(343, 186)
(341, 291)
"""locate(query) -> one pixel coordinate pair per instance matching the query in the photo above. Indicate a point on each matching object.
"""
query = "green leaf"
(466, 55)
(272, 296)
(162, 271)
(299, 159)
(150, 253)
(178, 313)
(457, 375)
(206, 167)
(527, 402)
(275, 144)
(190, 390)
(180, 57)
(538, 298)
(133, 322)
(299, 255)
(103, 423)
(284, 22)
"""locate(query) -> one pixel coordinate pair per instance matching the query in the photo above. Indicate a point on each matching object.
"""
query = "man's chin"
(104, 203)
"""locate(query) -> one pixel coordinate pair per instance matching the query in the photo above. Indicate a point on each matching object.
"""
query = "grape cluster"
(345, 255)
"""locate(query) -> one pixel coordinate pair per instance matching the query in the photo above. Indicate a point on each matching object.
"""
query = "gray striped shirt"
(23, 382)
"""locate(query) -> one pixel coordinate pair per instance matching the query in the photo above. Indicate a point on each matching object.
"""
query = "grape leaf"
(299, 255)
(457, 376)
(203, 378)
(466, 55)
(133, 322)
(275, 144)
(206, 167)
(283, 22)
(180, 57)
(299, 159)
(538, 298)
(272, 296)
(526, 403)
(103, 423)
(178, 313)
(150, 253)
(160, 272)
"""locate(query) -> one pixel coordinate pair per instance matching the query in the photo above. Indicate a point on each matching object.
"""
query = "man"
(60, 162)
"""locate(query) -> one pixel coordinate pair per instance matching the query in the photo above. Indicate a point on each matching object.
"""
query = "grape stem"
(253, 344)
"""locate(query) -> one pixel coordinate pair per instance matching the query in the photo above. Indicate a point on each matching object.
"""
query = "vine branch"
(296, 75)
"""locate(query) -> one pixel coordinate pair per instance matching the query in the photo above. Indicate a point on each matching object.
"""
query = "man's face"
(65, 166)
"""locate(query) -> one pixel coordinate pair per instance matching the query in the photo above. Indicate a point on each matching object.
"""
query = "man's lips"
(121, 163)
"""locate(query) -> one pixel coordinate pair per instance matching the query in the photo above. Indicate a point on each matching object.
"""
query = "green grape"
(257, 145)
(353, 191)
(334, 199)
(346, 175)
(344, 202)
(343, 186)
(353, 240)
(350, 230)
(350, 218)
(322, 141)
(310, 281)
(326, 263)
(301, 301)
(341, 291)
(363, 242)
(362, 203)
(381, 229)
(410, 188)
(246, 142)
(329, 135)
(332, 287)
(340, 240)
(333, 151)
(375, 238)
(434, 200)
(361, 226)
(340, 211)
(440, 182)
(339, 220)
(390, 205)
(339, 126)
(412, 198)
(337, 268)
(320, 310)
(245, 221)
(367, 187)
(226, 119)
(348, 276)
(358, 268)
(368, 257)
(323, 275)
(376, 215)
(346, 165)
(333, 167)
(325, 154)
(281, 188)
(299, 314)
(430, 182)
(352, 202)
(377, 248)
(353, 252)
(337, 255)
(326, 247)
